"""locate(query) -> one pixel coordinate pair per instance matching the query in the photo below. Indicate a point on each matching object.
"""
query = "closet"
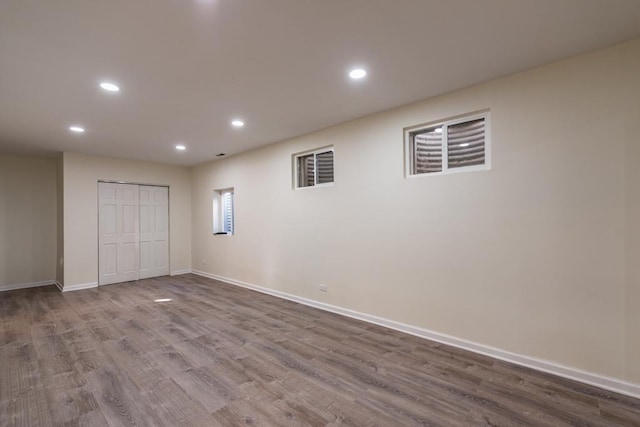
(133, 232)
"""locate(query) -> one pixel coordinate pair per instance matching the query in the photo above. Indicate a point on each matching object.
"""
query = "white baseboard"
(604, 382)
(26, 285)
(79, 286)
(179, 272)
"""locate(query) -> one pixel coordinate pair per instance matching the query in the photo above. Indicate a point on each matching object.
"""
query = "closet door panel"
(154, 226)
(118, 234)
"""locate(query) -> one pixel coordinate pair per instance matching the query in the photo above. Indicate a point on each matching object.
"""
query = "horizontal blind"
(306, 170)
(466, 144)
(324, 163)
(227, 212)
(427, 151)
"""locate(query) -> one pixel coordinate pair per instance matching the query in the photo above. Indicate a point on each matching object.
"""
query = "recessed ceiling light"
(357, 73)
(464, 144)
(76, 129)
(237, 123)
(111, 87)
(180, 147)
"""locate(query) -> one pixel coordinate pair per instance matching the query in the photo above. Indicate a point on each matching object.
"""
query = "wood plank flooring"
(217, 354)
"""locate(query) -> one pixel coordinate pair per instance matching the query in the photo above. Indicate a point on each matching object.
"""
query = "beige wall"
(530, 257)
(27, 219)
(632, 232)
(81, 175)
(60, 219)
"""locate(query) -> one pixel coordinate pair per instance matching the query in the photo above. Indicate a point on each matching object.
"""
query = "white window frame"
(314, 152)
(219, 212)
(408, 145)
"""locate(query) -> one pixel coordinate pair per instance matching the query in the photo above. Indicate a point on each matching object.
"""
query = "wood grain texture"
(217, 354)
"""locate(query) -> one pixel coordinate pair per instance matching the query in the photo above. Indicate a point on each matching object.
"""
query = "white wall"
(27, 219)
(534, 256)
(81, 176)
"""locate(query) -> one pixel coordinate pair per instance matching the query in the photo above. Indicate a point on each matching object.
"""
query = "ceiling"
(187, 68)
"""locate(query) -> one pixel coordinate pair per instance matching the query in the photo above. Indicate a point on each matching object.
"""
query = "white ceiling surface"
(188, 67)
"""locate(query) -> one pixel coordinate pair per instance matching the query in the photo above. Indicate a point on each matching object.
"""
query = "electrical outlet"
(323, 288)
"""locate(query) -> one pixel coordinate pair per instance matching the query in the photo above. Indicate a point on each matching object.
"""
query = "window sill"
(328, 184)
(451, 171)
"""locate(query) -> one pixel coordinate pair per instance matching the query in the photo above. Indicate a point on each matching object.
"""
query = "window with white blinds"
(449, 146)
(227, 212)
(223, 211)
(313, 168)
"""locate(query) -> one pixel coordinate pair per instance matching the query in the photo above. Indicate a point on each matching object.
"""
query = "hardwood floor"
(222, 355)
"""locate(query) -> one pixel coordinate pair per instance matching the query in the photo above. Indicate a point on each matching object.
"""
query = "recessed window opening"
(314, 168)
(449, 146)
(223, 211)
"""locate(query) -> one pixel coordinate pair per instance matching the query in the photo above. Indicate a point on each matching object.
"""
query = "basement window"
(313, 168)
(223, 212)
(457, 145)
